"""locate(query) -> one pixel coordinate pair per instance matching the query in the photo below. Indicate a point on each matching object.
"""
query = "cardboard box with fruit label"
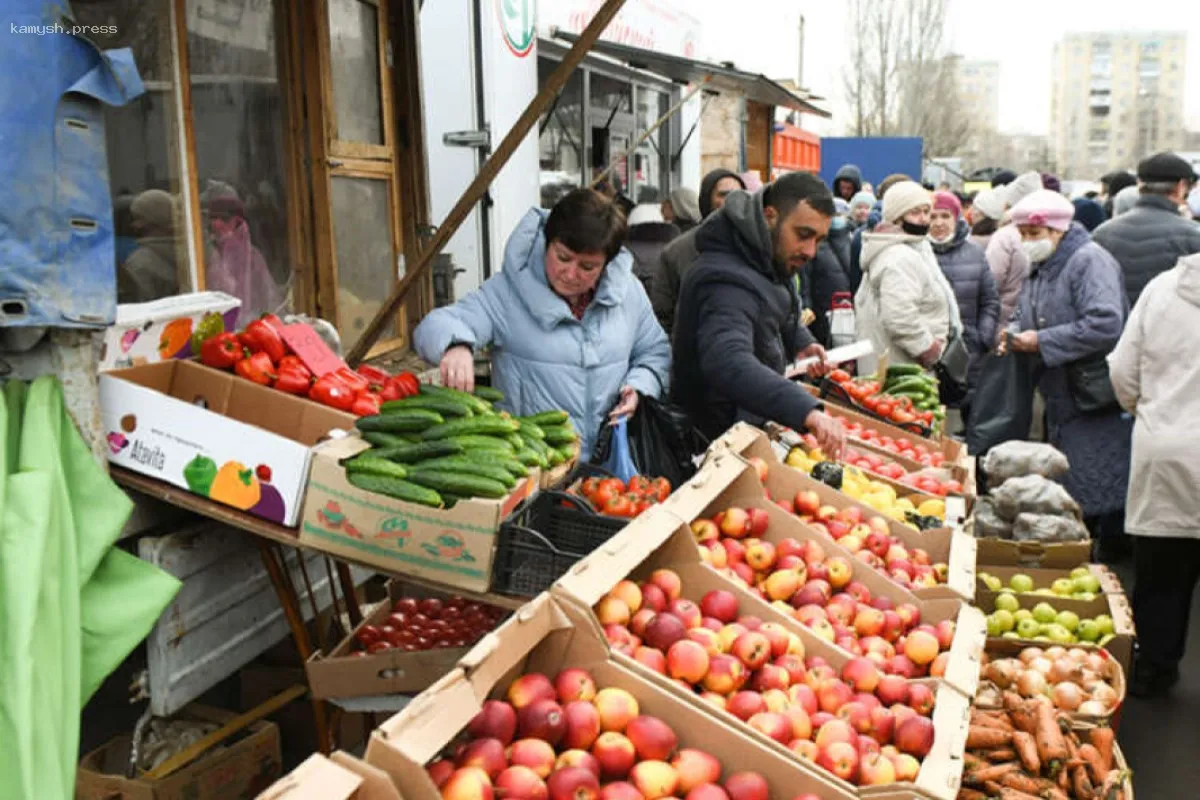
(809, 584)
(782, 681)
(1090, 617)
(553, 662)
(146, 333)
(787, 486)
(454, 547)
(355, 669)
(215, 435)
(341, 776)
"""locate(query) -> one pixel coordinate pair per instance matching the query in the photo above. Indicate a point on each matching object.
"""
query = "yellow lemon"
(905, 504)
(932, 508)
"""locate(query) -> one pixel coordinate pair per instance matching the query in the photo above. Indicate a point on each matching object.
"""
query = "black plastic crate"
(543, 538)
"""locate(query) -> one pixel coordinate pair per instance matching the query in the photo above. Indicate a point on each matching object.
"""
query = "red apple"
(487, 754)
(725, 675)
(914, 736)
(536, 754)
(841, 759)
(759, 520)
(752, 649)
(747, 786)
(651, 658)
(573, 783)
(719, 604)
(583, 725)
(617, 708)
(805, 697)
(615, 754)
(652, 738)
(920, 699)
(807, 502)
(496, 720)
(542, 719)
(529, 688)
(734, 522)
(578, 758)
(861, 674)
(892, 689)
(665, 630)
(695, 768)
(773, 725)
(521, 782)
(653, 597)
(468, 783)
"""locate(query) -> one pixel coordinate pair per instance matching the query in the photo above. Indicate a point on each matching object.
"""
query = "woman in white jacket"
(1155, 371)
(904, 304)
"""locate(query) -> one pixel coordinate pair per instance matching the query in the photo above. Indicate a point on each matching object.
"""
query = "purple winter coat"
(1076, 302)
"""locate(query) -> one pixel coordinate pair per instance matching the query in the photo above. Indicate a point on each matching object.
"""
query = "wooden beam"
(487, 173)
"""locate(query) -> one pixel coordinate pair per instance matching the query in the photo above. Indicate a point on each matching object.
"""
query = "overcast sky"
(762, 35)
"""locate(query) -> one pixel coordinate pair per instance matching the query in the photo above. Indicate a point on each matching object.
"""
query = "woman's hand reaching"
(458, 368)
(626, 405)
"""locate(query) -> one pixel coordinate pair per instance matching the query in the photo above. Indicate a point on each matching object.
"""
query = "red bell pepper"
(408, 384)
(294, 363)
(257, 368)
(221, 351)
(273, 320)
(357, 383)
(260, 337)
(293, 381)
(331, 391)
(374, 375)
(366, 404)
(390, 391)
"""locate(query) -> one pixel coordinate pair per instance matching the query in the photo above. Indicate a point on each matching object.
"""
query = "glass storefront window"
(144, 154)
(241, 170)
(612, 124)
(560, 140)
(652, 160)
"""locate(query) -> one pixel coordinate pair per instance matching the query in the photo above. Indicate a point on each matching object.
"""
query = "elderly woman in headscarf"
(984, 215)
(1009, 264)
(151, 271)
(235, 266)
(1069, 317)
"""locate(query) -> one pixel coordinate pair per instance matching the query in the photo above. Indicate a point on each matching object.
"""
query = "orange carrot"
(1051, 745)
(1081, 784)
(1026, 749)
(987, 738)
(1102, 739)
(1091, 756)
(992, 773)
(1001, 756)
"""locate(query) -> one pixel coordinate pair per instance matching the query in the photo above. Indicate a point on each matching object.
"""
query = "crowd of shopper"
(707, 297)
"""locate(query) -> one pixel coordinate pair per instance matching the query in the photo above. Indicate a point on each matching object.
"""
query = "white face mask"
(946, 240)
(1038, 250)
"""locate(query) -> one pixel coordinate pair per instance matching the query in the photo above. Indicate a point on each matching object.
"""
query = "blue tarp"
(57, 265)
(876, 156)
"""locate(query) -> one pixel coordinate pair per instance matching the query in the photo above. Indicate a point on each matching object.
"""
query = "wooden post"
(487, 173)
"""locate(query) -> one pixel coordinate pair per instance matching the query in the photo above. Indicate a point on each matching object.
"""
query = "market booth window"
(143, 154)
(560, 140)
(612, 126)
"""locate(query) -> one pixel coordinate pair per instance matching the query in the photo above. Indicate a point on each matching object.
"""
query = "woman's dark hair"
(587, 222)
(985, 227)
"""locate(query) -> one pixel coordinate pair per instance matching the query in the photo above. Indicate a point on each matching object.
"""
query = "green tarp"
(72, 606)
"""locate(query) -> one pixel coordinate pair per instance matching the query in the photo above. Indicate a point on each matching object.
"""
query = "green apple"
(1007, 601)
(1059, 634)
(1086, 597)
(1086, 583)
(1068, 620)
(1010, 635)
(1106, 639)
(1021, 614)
(1088, 631)
(1042, 638)
(993, 583)
(993, 626)
(1028, 628)
(1063, 587)
(1005, 620)
(1106, 624)
(1079, 572)
(1044, 613)
(1021, 583)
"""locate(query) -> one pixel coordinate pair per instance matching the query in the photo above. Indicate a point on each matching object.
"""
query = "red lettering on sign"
(311, 349)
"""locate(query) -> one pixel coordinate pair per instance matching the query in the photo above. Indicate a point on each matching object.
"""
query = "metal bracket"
(481, 139)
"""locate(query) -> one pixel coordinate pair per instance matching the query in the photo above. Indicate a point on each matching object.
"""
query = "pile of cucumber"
(444, 445)
(919, 386)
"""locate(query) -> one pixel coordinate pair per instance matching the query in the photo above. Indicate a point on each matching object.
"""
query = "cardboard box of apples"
(716, 644)
(840, 517)
(540, 709)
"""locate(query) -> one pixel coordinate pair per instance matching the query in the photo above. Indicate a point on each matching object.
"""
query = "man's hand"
(820, 367)
(828, 431)
(931, 356)
(1024, 342)
(458, 368)
(625, 406)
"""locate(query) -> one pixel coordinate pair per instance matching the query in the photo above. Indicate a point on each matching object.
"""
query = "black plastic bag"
(1002, 408)
(662, 441)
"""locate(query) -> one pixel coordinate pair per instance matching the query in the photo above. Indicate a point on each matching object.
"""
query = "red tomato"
(839, 376)
(406, 605)
(368, 634)
(589, 487)
(378, 647)
(662, 489)
(613, 485)
(619, 506)
(431, 607)
(639, 484)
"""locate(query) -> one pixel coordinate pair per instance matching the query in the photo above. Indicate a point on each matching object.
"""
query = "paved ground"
(1161, 738)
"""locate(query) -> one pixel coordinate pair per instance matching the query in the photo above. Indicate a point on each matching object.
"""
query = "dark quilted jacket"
(966, 268)
(1148, 241)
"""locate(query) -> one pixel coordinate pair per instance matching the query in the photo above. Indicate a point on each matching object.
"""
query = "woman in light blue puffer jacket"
(568, 323)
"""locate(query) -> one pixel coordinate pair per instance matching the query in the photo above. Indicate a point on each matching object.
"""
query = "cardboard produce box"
(345, 672)
(544, 636)
(454, 547)
(215, 434)
(339, 777)
(947, 545)
(146, 333)
(241, 767)
(1115, 606)
(660, 540)
(1055, 555)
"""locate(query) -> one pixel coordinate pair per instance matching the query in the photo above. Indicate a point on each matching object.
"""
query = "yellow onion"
(1029, 654)
(1003, 672)
(1066, 696)
(1105, 695)
(1092, 708)
(1031, 683)
(1056, 652)
(1042, 665)
(1064, 669)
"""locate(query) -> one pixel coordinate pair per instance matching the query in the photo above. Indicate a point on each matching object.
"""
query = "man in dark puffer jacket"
(738, 324)
(966, 268)
(1151, 238)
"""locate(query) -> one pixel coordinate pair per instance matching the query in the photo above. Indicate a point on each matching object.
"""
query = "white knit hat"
(1025, 185)
(990, 203)
(902, 198)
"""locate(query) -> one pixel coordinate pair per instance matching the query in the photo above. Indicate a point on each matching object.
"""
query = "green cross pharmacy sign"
(517, 25)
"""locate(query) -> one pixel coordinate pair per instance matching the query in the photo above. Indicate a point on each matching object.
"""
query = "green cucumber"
(904, 369)
(470, 466)
(442, 405)
(510, 463)
(567, 451)
(529, 430)
(554, 458)
(381, 439)
(476, 405)
(374, 465)
(480, 442)
(543, 418)
(414, 420)
(401, 490)
(559, 435)
(459, 484)
(531, 458)
(497, 426)
(910, 383)
(488, 394)
(516, 441)
(409, 453)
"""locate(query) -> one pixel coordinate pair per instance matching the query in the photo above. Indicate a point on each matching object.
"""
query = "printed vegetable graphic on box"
(448, 546)
(199, 474)
(176, 335)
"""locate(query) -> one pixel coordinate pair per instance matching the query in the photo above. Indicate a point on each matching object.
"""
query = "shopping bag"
(842, 330)
(662, 441)
(619, 462)
(1003, 406)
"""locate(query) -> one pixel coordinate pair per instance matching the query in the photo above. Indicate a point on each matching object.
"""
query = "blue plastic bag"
(619, 461)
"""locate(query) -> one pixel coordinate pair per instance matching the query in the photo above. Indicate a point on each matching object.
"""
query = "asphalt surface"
(1161, 737)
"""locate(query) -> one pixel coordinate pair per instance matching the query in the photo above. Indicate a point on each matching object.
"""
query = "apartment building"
(1117, 97)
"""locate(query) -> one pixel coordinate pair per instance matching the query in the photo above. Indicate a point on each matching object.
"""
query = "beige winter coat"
(1155, 371)
(904, 302)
